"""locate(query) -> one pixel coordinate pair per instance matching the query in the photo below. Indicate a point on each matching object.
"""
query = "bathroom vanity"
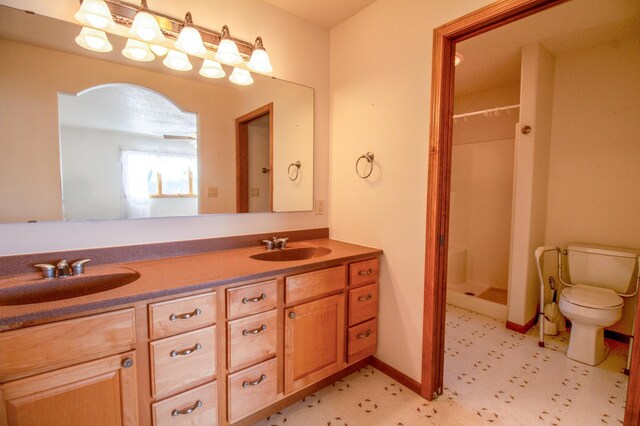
(212, 338)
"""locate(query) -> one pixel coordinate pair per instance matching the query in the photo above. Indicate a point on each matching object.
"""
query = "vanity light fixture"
(158, 50)
(259, 60)
(94, 40)
(96, 14)
(177, 61)
(145, 26)
(212, 69)
(189, 41)
(137, 50)
(241, 77)
(227, 50)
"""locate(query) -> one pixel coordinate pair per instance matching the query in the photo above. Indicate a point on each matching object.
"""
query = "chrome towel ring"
(369, 157)
(296, 169)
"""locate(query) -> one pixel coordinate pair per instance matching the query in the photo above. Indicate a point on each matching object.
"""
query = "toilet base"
(586, 344)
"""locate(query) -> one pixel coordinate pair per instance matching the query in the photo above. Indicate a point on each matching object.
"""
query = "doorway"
(445, 39)
(254, 159)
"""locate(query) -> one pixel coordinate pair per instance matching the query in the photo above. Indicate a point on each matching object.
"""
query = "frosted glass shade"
(259, 61)
(228, 52)
(212, 69)
(145, 27)
(241, 77)
(94, 40)
(137, 50)
(158, 50)
(96, 14)
(189, 41)
(177, 61)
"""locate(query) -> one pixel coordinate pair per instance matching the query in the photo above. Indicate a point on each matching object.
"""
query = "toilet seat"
(592, 297)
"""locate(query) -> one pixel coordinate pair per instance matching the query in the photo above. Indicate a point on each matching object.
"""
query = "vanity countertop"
(176, 275)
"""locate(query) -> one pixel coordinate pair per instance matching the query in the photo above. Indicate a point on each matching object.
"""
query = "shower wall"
(482, 185)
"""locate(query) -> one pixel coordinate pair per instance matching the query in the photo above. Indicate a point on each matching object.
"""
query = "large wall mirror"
(96, 136)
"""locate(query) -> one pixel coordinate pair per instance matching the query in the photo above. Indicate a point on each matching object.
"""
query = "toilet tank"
(602, 266)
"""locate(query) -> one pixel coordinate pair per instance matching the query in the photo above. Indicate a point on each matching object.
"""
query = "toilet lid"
(592, 297)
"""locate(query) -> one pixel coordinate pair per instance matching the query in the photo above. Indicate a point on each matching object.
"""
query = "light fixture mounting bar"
(123, 14)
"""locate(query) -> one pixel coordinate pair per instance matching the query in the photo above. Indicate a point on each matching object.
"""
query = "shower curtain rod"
(491, 112)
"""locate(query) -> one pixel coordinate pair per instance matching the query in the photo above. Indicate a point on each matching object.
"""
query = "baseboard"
(519, 328)
(396, 375)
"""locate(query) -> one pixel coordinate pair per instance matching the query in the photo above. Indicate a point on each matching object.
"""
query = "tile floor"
(492, 376)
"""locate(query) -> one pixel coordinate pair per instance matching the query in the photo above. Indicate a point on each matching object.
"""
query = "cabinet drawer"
(197, 406)
(45, 347)
(252, 339)
(182, 360)
(253, 298)
(363, 303)
(252, 389)
(363, 339)
(316, 283)
(179, 315)
(364, 272)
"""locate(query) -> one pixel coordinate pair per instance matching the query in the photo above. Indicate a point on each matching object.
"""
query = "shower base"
(479, 298)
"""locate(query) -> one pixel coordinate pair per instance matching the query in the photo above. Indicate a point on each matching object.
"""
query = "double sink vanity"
(220, 337)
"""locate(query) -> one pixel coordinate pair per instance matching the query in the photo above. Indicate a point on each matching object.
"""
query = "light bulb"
(177, 61)
(259, 60)
(158, 50)
(145, 27)
(227, 50)
(138, 51)
(94, 40)
(95, 13)
(241, 77)
(211, 69)
(190, 41)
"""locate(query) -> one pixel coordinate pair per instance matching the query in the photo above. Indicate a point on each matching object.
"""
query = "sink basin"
(37, 290)
(294, 253)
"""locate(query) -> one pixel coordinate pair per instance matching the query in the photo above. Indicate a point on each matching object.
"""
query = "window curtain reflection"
(136, 169)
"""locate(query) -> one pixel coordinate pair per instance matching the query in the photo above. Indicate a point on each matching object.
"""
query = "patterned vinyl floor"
(492, 376)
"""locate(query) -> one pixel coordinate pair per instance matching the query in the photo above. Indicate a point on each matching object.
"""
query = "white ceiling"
(492, 59)
(324, 13)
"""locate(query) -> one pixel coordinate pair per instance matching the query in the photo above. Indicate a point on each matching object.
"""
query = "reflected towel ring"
(297, 165)
(369, 157)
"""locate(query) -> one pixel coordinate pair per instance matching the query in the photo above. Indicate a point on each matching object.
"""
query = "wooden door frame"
(242, 156)
(438, 189)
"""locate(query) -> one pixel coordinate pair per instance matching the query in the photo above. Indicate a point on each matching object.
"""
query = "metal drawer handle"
(260, 329)
(188, 410)
(364, 335)
(254, 299)
(365, 298)
(184, 352)
(256, 382)
(367, 272)
(175, 317)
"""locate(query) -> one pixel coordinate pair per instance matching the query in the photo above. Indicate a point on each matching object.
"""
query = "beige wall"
(299, 52)
(594, 173)
(381, 104)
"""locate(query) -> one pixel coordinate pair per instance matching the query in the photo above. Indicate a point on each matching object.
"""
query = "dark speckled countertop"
(176, 275)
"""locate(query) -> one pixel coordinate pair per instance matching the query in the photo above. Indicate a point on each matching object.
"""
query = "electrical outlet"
(319, 207)
(212, 191)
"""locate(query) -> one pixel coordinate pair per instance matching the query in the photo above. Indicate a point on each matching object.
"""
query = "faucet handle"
(78, 266)
(282, 242)
(48, 270)
(269, 244)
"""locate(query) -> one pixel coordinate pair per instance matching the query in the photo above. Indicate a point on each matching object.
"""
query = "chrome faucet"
(275, 243)
(62, 269)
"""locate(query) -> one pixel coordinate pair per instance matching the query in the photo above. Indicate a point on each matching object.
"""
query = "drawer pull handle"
(189, 410)
(367, 272)
(246, 300)
(260, 329)
(175, 317)
(365, 298)
(256, 382)
(364, 335)
(184, 352)
(127, 362)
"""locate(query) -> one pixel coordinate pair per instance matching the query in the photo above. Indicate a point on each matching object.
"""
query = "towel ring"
(297, 165)
(369, 157)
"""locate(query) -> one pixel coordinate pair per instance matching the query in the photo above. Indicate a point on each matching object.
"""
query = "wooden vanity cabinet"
(362, 335)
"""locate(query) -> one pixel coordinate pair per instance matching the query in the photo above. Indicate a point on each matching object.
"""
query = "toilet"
(599, 276)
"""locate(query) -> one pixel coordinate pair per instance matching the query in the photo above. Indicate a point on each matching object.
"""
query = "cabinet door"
(95, 393)
(314, 341)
